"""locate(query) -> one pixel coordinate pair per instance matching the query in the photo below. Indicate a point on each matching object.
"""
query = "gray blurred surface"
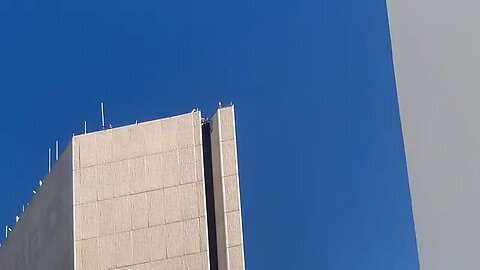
(435, 49)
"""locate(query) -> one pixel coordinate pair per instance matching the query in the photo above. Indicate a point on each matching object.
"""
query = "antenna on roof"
(103, 115)
(56, 150)
(85, 132)
(49, 159)
(7, 229)
(23, 208)
(17, 218)
(40, 183)
(34, 192)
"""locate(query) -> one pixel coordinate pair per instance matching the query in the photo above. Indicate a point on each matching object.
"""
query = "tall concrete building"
(435, 51)
(156, 195)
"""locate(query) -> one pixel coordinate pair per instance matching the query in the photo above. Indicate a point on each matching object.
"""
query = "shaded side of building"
(43, 237)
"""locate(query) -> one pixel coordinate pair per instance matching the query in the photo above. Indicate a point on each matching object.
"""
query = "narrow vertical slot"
(208, 171)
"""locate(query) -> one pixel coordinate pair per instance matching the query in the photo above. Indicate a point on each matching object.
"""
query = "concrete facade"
(435, 50)
(138, 198)
(226, 186)
(43, 237)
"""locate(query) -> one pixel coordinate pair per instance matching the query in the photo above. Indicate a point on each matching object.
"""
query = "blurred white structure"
(436, 57)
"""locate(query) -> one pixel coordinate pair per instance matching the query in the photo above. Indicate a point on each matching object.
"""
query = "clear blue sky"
(322, 166)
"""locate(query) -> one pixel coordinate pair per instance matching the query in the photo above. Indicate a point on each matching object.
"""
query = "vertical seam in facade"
(209, 195)
(73, 202)
(222, 186)
(238, 182)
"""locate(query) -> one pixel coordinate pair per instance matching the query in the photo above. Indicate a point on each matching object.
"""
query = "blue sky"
(322, 167)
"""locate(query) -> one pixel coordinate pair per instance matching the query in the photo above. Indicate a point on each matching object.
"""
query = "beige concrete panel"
(123, 249)
(121, 144)
(121, 181)
(157, 265)
(203, 234)
(175, 239)
(192, 236)
(197, 261)
(136, 175)
(227, 123)
(201, 199)
(236, 258)
(188, 201)
(75, 153)
(85, 185)
(86, 150)
(123, 214)
(157, 207)
(106, 217)
(142, 246)
(159, 243)
(140, 266)
(234, 229)
(232, 191)
(187, 173)
(169, 129)
(229, 158)
(226, 187)
(138, 147)
(218, 193)
(217, 171)
(105, 182)
(197, 128)
(153, 137)
(104, 147)
(87, 254)
(80, 188)
(153, 172)
(185, 131)
(198, 155)
(170, 169)
(176, 263)
(140, 215)
(173, 204)
(215, 130)
(86, 219)
(77, 185)
(221, 239)
(107, 249)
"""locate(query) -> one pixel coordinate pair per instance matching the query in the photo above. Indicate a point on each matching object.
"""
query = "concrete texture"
(435, 50)
(226, 190)
(42, 239)
(140, 197)
(135, 198)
